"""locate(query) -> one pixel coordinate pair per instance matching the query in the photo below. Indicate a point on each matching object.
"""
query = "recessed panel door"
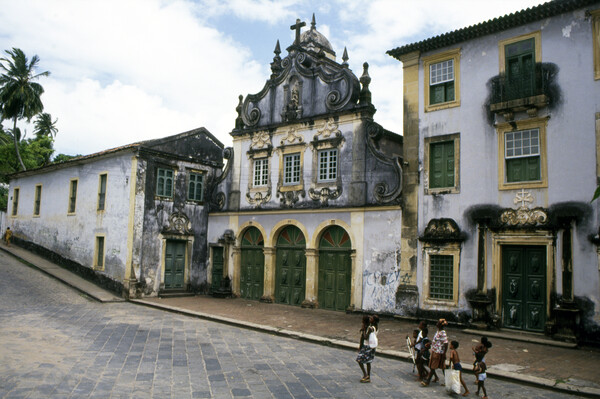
(175, 264)
(524, 287)
(335, 269)
(290, 269)
(253, 265)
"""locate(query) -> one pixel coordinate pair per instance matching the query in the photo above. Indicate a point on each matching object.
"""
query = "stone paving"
(57, 343)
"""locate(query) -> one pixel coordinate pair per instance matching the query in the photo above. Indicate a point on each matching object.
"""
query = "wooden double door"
(290, 267)
(524, 287)
(175, 264)
(335, 269)
(252, 264)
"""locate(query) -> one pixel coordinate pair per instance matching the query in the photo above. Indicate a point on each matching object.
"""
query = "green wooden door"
(253, 264)
(217, 267)
(174, 264)
(524, 287)
(290, 269)
(335, 269)
(520, 64)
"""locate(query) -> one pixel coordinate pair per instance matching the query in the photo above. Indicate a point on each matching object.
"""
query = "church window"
(442, 80)
(261, 172)
(196, 187)
(522, 153)
(102, 191)
(72, 196)
(440, 274)
(164, 183)
(328, 165)
(37, 200)
(291, 171)
(15, 203)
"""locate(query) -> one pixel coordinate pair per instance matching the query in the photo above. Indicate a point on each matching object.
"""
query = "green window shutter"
(523, 169)
(441, 165)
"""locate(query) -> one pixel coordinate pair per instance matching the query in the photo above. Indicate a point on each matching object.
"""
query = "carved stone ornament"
(260, 140)
(289, 198)
(328, 129)
(179, 223)
(442, 229)
(325, 194)
(292, 136)
(259, 198)
(523, 216)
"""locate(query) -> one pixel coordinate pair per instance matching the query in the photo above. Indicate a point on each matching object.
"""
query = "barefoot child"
(455, 361)
(420, 346)
(439, 347)
(481, 376)
(366, 353)
(480, 350)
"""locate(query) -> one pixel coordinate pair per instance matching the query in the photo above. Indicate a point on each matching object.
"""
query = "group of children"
(424, 358)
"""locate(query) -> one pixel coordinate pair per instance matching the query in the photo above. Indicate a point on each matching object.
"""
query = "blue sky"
(129, 70)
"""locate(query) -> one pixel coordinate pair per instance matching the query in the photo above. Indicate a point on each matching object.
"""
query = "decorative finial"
(345, 58)
(297, 27)
(239, 122)
(365, 93)
(313, 24)
(276, 64)
(277, 50)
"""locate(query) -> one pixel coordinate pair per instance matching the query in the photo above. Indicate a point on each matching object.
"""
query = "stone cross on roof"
(297, 27)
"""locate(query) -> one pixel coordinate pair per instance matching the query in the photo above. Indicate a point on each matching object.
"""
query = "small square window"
(164, 183)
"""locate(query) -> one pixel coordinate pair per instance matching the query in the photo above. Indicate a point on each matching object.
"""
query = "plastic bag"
(452, 381)
(373, 339)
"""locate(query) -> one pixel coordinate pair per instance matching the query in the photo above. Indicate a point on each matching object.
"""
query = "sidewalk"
(528, 358)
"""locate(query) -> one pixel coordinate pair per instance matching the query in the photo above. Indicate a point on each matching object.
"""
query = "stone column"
(269, 282)
(310, 297)
(237, 270)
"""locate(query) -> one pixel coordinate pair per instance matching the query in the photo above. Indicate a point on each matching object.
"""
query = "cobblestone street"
(57, 343)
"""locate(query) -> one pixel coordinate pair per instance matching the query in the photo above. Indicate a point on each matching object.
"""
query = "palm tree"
(44, 126)
(19, 94)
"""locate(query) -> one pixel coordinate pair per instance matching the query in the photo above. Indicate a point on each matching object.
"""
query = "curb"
(387, 353)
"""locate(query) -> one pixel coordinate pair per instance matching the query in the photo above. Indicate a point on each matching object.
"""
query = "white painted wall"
(73, 236)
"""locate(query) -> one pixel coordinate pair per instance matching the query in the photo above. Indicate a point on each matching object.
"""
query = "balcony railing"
(521, 87)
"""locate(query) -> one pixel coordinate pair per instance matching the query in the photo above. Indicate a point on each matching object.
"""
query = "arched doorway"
(335, 269)
(290, 268)
(252, 264)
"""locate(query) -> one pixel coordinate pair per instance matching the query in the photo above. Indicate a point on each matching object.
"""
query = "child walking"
(439, 348)
(455, 361)
(366, 351)
(480, 350)
(420, 346)
(481, 377)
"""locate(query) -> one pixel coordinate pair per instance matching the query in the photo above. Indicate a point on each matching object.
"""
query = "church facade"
(501, 139)
(308, 211)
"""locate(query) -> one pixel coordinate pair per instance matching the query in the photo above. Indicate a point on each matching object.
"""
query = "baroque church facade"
(308, 211)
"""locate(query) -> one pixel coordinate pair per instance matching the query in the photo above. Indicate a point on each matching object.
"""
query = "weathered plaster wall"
(566, 42)
(73, 236)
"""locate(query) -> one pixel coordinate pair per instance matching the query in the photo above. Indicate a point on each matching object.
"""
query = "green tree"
(63, 157)
(44, 126)
(20, 95)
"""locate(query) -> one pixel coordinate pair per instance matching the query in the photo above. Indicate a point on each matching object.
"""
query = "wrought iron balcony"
(525, 92)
